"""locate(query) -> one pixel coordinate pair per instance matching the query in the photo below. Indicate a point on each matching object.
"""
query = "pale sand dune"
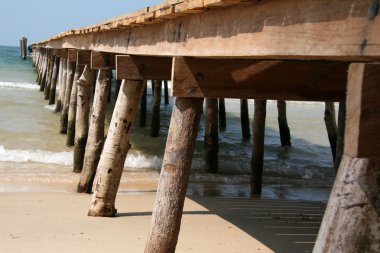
(57, 222)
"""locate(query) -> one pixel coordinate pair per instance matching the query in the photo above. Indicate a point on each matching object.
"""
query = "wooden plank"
(143, 67)
(286, 29)
(63, 53)
(223, 3)
(279, 80)
(362, 135)
(72, 55)
(102, 60)
(84, 57)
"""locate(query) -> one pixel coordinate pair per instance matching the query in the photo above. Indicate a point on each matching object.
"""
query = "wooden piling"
(84, 86)
(257, 161)
(116, 147)
(166, 92)
(175, 171)
(73, 107)
(49, 77)
(142, 119)
(95, 138)
(66, 102)
(62, 84)
(211, 142)
(43, 73)
(155, 123)
(283, 124)
(340, 137)
(54, 79)
(23, 45)
(222, 115)
(244, 119)
(332, 129)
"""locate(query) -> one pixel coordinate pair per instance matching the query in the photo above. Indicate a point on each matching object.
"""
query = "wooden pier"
(302, 50)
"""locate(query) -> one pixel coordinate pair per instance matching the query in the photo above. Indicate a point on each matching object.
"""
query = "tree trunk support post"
(244, 119)
(70, 71)
(222, 114)
(142, 119)
(331, 126)
(155, 123)
(351, 222)
(257, 161)
(54, 80)
(211, 142)
(283, 124)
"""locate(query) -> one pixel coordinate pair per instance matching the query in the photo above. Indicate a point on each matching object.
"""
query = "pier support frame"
(352, 219)
(62, 81)
(155, 123)
(175, 171)
(211, 142)
(244, 119)
(54, 80)
(283, 124)
(70, 71)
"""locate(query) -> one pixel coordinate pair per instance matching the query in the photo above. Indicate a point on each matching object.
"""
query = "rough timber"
(268, 49)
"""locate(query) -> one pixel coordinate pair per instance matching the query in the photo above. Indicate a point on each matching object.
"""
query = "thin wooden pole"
(222, 115)
(44, 71)
(54, 80)
(340, 137)
(244, 119)
(49, 77)
(62, 84)
(73, 107)
(211, 143)
(84, 85)
(332, 129)
(95, 138)
(155, 123)
(257, 161)
(166, 92)
(142, 119)
(283, 124)
(116, 148)
(175, 171)
(66, 101)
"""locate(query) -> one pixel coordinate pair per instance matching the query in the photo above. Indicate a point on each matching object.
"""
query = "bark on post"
(283, 124)
(73, 107)
(66, 102)
(43, 74)
(116, 147)
(84, 85)
(340, 138)
(54, 81)
(155, 124)
(142, 119)
(332, 129)
(257, 161)
(62, 85)
(95, 138)
(244, 119)
(166, 92)
(168, 207)
(211, 143)
(222, 114)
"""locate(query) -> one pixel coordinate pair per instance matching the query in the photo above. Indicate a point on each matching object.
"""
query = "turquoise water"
(32, 150)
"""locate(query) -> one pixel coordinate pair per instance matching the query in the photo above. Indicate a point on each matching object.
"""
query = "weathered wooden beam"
(63, 53)
(84, 57)
(143, 67)
(102, 60)
(72, 55)
(286, 29)
(362, 135)
(280, 80)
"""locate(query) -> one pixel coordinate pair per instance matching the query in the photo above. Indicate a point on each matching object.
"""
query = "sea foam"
(29, 86)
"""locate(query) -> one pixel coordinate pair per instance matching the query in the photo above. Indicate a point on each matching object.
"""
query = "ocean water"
(33, 155)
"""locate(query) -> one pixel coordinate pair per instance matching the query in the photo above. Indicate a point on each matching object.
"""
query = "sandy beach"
(57, 222)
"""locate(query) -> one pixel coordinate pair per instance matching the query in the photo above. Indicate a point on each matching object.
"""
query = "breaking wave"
(29, 86)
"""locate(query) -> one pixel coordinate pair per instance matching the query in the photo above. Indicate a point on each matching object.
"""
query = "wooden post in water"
(95, 138)
(340, 137)
(244, 118)
(66, 102)
(211, 143)
(54, 79)
(166, 92)
(332, 129)
(44, 71)
(283, 124)
(175, 171)
(351, 222)
(84, 86)
(23, 45)
(142, 119)
(116, 147)
(49, 77)
(222, 115)
(155, 123)
(257, 161)
(73, 107)
(62, 82)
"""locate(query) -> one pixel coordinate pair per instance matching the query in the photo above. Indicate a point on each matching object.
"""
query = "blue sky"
(40, 19)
